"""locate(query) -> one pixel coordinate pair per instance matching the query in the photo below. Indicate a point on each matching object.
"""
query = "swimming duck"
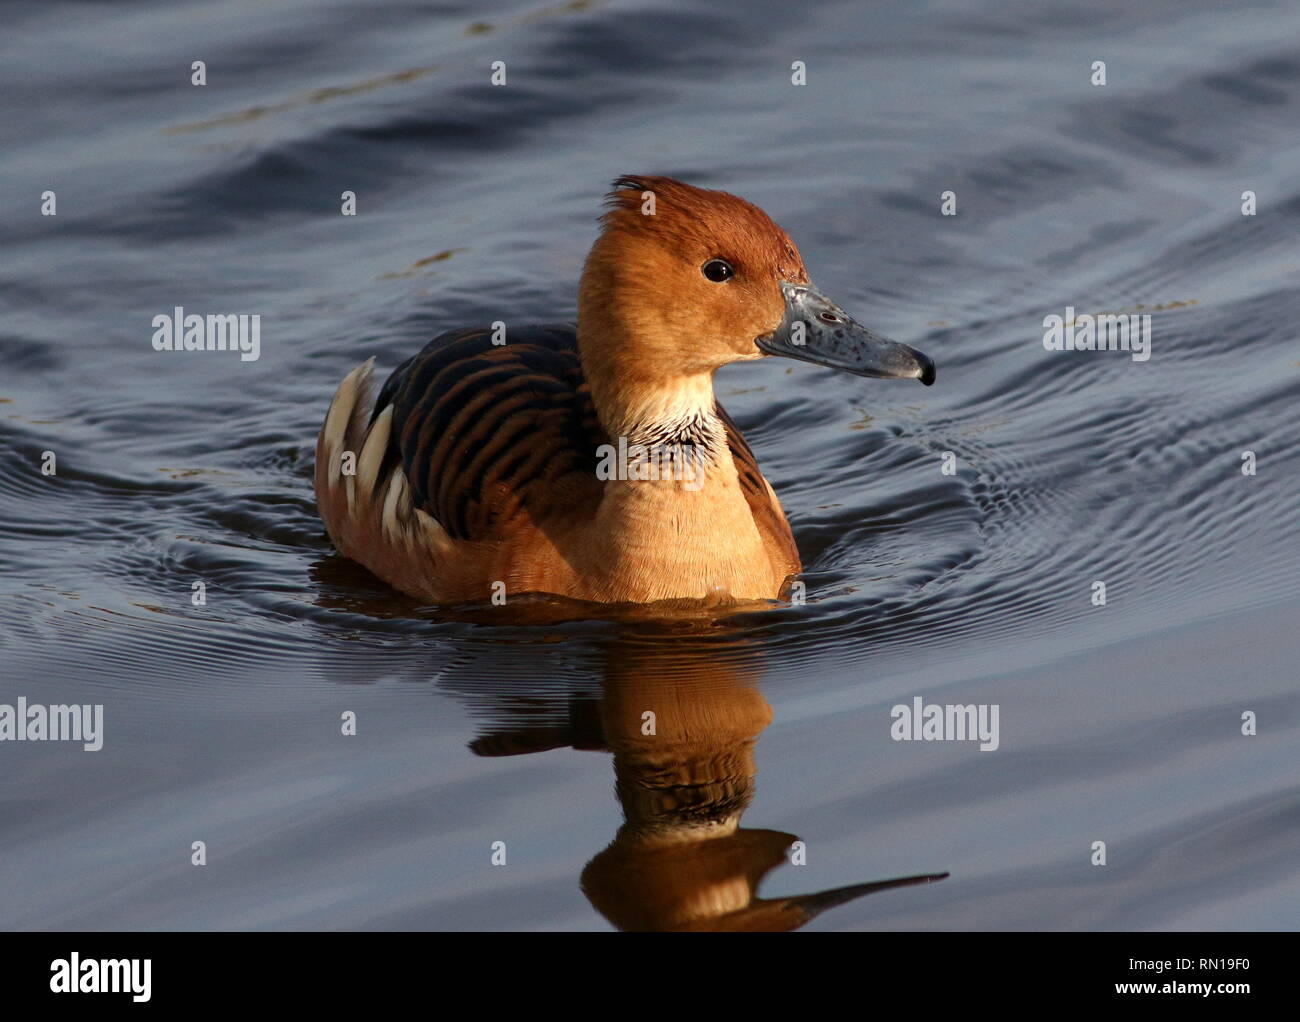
(594, 462)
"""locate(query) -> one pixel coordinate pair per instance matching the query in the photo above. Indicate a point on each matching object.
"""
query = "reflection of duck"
(479, 462)
(681, 719)
(711, 887)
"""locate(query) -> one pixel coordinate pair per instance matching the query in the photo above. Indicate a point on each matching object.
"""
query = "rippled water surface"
(1119, 723)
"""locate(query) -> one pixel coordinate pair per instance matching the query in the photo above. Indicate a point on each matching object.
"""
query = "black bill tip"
(927, 368)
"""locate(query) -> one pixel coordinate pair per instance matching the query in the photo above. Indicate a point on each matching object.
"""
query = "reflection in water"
(681, 717)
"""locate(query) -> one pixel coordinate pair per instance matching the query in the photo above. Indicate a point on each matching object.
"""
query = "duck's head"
(683, 280)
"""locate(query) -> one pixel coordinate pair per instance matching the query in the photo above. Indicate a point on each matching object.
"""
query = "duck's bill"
(817, 330)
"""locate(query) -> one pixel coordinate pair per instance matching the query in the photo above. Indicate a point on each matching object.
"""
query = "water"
(1119, 723)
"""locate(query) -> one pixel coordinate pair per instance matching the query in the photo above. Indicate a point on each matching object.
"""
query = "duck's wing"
(487, 435)
(759, 495)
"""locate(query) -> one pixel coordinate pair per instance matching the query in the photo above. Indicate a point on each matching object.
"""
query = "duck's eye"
(717, 270)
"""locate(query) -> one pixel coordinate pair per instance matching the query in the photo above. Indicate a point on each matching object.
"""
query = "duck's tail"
(361, 488)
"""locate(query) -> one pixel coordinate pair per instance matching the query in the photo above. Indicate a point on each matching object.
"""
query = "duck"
(592, 460)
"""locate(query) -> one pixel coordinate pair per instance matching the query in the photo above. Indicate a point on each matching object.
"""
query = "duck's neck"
(685, 528)
(640, 396)
(677, 417)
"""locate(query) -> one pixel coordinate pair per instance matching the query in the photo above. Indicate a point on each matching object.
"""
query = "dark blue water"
(1119, 723)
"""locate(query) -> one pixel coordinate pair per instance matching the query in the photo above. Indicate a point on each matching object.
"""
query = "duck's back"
(477, 463)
